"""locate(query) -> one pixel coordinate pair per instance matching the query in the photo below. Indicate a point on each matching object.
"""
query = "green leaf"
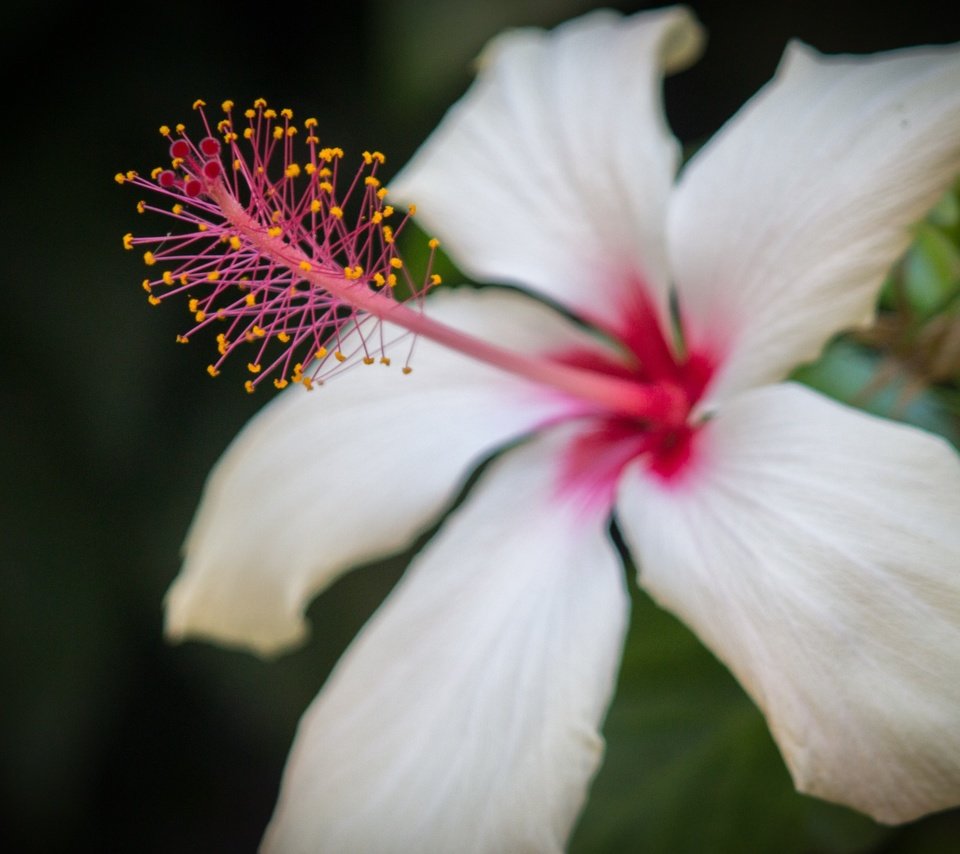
(931, 270)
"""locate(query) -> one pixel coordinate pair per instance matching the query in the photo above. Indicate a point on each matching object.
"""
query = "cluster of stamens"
(272, 251)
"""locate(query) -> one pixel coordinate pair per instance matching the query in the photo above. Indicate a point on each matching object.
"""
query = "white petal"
(816, 551)
(322, 481)
(554, 170)
(465, 716)
(783, 228)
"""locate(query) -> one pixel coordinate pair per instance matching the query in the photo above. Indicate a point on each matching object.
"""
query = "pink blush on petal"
(594, 460)
(591, 464)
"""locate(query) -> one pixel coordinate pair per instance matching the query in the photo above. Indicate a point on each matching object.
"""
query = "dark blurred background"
(113, 740)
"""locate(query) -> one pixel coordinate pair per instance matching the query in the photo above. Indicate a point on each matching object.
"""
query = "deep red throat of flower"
(284, 262)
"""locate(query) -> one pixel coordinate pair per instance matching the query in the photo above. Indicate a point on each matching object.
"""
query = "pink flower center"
(608, 442)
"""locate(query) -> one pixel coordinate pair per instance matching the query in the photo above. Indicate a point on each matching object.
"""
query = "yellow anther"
(326, 186)
(368, 360)
(260, 103)
(235, 243)
(315, 206)
(287, 113)
(283, 338)
(367, 157)
(193, 304)
(378, 280)
(167, 277)
(278, 133)
(164, 130)
(131, 174)
(370, 181)
(213, 275)
(270, 114)
(250, 299)
(291, 131)
(384, 360)
(221, 314)
(184, 279)
(275, 216)
(200, 316)
(236, 165)
(249, 113)
(248, 133)
(198, 104)
(128, 241)
(412, 210)
(308, 383)
(435, 279)
(180, 127)
(153, 300)
(310, 168)
(141, 207)
(119, 178)
(433, 243)
(202, 226)
(306, 266)
(275, 231)
(250, 387)
(339, 356)
(258, 332)
(223, 125)
(253, 367)
(379, 156)
(391, 281)
(182, 339)
(387, 234)
(388, 210)
(310, 123)
(407, 369)
(382, 193)
(280, 383)
(147, 286)
(324, 172)
(292, 171)
(313, 140)
(377, 217)
(177, 162)
(212, 370)
(321, 353)
(149, 259)
(223, 346)
(337, 212)
(155, 172)
(227, 106)
(396, 263)
(177, 209)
